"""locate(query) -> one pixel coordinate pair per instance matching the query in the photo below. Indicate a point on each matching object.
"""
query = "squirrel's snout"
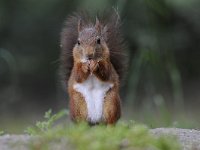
(89, 52)
(89, 57)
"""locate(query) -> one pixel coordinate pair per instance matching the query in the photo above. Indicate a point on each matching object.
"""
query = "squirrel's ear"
(97, 25)
(80, 25)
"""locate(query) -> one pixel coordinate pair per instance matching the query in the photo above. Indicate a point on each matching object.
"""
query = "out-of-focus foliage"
(163, 47)
(124, 135)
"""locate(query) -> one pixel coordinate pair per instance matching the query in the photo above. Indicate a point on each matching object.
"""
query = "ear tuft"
(97, 25)
(80, 25)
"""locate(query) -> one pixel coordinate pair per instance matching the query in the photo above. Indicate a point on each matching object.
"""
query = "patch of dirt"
(14, 142)
(189, 138)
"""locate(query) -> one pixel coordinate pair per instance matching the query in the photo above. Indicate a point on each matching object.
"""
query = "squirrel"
(93, 63)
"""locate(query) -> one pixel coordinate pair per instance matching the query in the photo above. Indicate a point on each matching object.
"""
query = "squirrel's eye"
(98, 41)
(78, 42)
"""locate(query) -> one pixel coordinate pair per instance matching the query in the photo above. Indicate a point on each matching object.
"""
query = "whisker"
(55, 61)
(116, 52)
(69, 54)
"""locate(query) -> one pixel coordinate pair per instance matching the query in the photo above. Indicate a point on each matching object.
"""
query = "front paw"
(93, 65)
(85, 67)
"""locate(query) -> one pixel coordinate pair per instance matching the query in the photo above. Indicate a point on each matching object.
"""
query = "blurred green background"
(163, 38)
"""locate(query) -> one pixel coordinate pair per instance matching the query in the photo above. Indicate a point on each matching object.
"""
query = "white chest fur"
(94, 92)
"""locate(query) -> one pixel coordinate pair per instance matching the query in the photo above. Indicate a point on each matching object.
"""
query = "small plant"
(47, 124)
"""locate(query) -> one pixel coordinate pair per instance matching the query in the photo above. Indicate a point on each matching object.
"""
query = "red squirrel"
(93, 62)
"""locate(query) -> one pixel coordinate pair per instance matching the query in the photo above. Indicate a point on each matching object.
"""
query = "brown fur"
(78, 108)
(114, 40)
(102, 70)
(102, 44)
(112, 107)
(81, 72)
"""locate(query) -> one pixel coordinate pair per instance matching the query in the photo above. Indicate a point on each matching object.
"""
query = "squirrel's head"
(91, 42)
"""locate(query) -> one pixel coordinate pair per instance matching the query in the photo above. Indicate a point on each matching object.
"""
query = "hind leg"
(78, 107)
(112, 107)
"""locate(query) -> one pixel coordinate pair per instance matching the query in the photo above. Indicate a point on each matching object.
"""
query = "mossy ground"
(126, 136)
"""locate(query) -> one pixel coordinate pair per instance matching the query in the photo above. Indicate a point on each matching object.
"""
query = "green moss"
(120, 136)
(82, 137)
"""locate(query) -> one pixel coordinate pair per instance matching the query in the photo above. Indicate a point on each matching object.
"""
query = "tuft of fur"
(114, 41)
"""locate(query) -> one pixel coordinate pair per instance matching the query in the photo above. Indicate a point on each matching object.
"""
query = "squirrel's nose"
(90, 57)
